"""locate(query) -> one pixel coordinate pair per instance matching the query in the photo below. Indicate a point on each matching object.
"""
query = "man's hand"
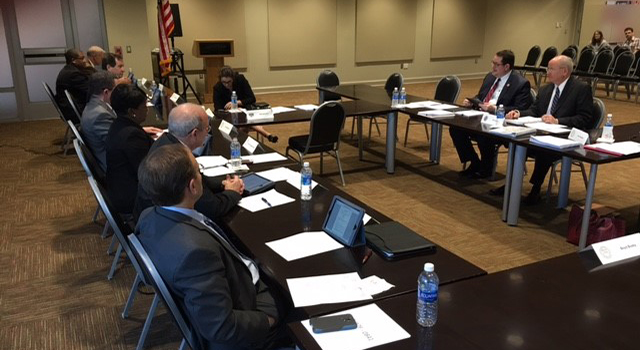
(549, 119)
(228, 106)
(515, 114)
(233, 184)
(487, 107)
(467, 103)
(152, 130)
(123, 80)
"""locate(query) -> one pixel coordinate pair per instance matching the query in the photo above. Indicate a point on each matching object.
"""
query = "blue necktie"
(554, 104)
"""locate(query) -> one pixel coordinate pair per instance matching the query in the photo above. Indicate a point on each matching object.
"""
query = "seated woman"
(229, 81)
(597, 42)
(127, 144)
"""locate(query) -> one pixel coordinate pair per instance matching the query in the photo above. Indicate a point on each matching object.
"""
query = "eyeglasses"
(496, 64)
(207, 129)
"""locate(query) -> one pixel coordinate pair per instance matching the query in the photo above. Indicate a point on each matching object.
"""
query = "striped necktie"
(554, 104)
(493, 89)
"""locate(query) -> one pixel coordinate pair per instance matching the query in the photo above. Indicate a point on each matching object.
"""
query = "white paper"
(264, 200)
(265, 158)
(617, 249)
(623, 148)
(550, 128)
(259, 115)
(209, 112)
(375, 328)
(211, 161)
(161, 87)
(294, 180)
(327, 289)
(307, 107)
(375, 285)
(435, 113)
(149, 104)
(250, 144)
(420, 104)
(217, 171)
(143, 81)
(471, 113)
(225, 127)
(524, 120)
(366, 218)
(277, 174)
(277, 110)
(553, 142)
(304, 244)
(174, 98)
(443, 106)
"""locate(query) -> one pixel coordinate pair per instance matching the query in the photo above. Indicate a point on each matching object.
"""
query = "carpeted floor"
(53, 288)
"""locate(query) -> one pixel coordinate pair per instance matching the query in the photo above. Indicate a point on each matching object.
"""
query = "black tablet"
(344, 222)
(254, 183)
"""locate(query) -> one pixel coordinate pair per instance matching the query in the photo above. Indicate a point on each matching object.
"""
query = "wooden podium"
(213, 51)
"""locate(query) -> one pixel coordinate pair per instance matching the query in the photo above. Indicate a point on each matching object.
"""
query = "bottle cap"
(428, 267)
(501, 105)
(235, 139)
(305, 164)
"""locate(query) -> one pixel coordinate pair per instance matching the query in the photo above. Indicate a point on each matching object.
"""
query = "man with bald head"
(189, 125)
(565, 101)
(95, 54)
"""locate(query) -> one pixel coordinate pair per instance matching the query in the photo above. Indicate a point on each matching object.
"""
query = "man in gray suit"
(218, 288)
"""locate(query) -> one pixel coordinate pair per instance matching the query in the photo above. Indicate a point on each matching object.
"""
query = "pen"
(266, 201)
(367, 256)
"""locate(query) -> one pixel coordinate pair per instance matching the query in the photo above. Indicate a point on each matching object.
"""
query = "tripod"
(177, 72)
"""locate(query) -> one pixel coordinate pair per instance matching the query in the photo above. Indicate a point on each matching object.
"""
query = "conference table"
(568, 302)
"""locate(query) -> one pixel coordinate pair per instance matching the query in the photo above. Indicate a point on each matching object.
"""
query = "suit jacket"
(127, 145)
(75, 80)
(96, 121)
(211, 284)
(215, 201)
(516, 93)
(222, 95)
(575, 106)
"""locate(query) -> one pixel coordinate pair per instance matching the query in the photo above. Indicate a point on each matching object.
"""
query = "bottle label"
(428, 296)
(235, 152)
(306, 180)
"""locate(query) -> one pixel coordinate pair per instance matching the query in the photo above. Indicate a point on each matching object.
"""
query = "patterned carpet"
(53, 288)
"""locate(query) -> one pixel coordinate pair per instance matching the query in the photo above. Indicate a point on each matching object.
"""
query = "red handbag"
(601, 228)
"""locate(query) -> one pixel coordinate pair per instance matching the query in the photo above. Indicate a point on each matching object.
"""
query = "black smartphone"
(475, 102)
(332, 323)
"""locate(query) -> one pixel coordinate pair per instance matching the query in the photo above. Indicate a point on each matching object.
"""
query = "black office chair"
(621, 68)
(68, 137)
(327, 78)
(163, 291)
(631, 81)
(601, 66)
(89, 163)
(570, 52)
(324, 135)
(541, 71)
(530, 62)
(395, 80)
(72, 103)
(600, 111)
(587, 55)
(119, 228)
(447, 90)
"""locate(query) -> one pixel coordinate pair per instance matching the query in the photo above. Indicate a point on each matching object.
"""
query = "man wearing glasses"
(189, 125)
(501, 86)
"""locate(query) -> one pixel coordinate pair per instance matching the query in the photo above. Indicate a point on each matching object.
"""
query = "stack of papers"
(617, 148)
(471, 113)
(514, 131)
(308, 107)
(436, 114)
(265, 158)
(524, 120)
(263, 201)
(550, 128)
(338, 288)
(443, 106)
(421, 104)
(285, 174)
(554, 142)
(277, 110)
(375, 328)
(207, 162)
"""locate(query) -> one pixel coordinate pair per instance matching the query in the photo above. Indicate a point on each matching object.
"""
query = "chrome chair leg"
(96, 214)
(340, 167)
(105, 230)
(147, 323)
(132, 295)
(113, 243)
(183, 344)
(114, 264)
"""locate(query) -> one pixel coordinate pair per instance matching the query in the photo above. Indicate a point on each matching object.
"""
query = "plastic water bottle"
(500, 115)
(394, 97)
(403, 97)
(235, 161)
(305, 182)
(607, 130)
(427, 305)
(234, 100)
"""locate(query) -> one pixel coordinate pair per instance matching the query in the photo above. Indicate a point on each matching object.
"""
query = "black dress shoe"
(497, 191)
(481, 175)
(272, 138)
(468, 172)
(532, 198)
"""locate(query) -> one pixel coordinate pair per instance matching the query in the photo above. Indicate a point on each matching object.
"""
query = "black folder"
(393, 240)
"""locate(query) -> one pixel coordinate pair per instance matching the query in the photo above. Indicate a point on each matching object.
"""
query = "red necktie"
(493, 89)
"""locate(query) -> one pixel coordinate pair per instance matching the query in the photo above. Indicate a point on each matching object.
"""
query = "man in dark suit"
(73, 77)
(502, 86)
(565, 101)
(217, 287)
(189, 125)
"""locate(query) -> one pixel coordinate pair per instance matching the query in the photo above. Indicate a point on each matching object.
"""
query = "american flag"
(165, 28)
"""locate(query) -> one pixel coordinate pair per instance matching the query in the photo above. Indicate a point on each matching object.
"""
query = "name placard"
(143, 81)
(174, 98)
(209, 112)
(250, 145)
(578, 136)
(225, 127)
(617, 249)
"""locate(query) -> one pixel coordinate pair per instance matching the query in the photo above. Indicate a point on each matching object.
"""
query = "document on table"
(264, 200)
(550, 128)
(207, 162)
(375, 328)
(285, 174)
(443, 106)
(524, 120)
(420, 104)
(265, 158)
(554, 142)
(436, 114)
(307, 107)
(471, 113)
(304, 244)
(217, 171)
(327, 289)
(616, 148)
(277, 110)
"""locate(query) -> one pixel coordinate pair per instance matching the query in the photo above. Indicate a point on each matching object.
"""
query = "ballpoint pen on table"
(266, 201)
